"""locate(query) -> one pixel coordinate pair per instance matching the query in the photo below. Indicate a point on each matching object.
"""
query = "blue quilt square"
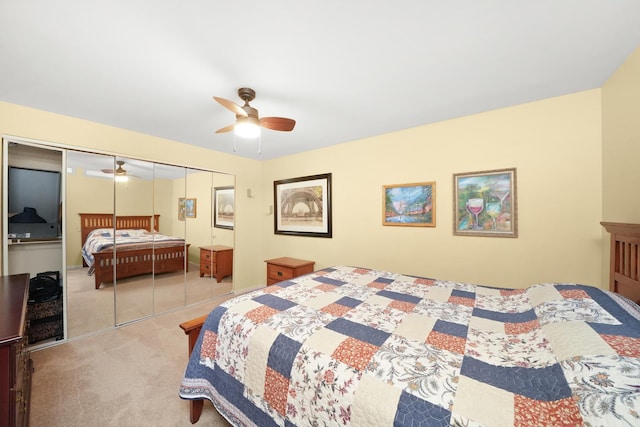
(463, 294)
(282, 353)
(213, 320)
(413, 411)
(329, 281)
(450, 328)
(383, 280)
(349, 302)
(546, 384)
(399, 296)
(273, 301)
(286, 283)
(358, 331)
(233, 391)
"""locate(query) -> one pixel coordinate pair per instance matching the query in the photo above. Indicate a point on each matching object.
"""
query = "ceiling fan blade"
(277, 123)
(230, 105)
(227, 128)
(109, 171)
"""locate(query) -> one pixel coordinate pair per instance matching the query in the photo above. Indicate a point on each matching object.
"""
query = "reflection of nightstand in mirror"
(216, 261)
(279, 269)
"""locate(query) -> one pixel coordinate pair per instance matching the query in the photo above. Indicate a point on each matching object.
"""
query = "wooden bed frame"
(131, 262)
(624, 279)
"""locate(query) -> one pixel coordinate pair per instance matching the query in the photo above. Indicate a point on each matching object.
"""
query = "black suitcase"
(44, 307)
(45, 287)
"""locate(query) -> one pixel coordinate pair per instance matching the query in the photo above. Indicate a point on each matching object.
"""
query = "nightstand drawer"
(278, 272)
(206, 267)
(206, 256)
(279, 269)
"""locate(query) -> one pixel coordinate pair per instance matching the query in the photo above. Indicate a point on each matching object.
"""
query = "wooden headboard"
(91, 221)
(624, 262)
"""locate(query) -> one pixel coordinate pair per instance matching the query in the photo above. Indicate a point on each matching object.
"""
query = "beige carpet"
(90, 310)
(127, 376)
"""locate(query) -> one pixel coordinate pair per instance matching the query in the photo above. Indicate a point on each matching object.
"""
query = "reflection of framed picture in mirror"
(485, 203)
(223, 207)
(186, 208)
(303, 206)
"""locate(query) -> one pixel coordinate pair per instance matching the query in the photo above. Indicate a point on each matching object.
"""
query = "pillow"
(103, 232)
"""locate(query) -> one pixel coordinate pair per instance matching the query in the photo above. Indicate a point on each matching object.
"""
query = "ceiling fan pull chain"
(260, 143)
(234, 142)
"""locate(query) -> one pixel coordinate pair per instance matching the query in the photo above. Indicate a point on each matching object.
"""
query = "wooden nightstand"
(279, 269)
(216, 261)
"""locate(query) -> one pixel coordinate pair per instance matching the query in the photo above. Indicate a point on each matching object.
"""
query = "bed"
(359, 347)
(156, 253)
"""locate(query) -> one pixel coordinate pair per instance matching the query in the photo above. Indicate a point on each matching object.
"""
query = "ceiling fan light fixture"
(247, 127)
(121, 178)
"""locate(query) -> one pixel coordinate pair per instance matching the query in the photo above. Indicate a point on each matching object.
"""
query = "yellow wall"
(621, 148)
(70, 132)
(555, 144)
(567, 151)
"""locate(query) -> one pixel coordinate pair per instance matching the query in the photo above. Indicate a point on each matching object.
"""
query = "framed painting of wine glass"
(485, 203)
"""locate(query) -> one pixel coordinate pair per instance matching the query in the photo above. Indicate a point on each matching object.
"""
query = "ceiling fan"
(247, 121)
(119, 172)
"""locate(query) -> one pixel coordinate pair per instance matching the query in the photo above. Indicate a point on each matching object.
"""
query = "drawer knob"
(279, 273)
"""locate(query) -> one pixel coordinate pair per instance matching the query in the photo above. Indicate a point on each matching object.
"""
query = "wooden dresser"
(279, 269)
(216, 261)
(15, 364)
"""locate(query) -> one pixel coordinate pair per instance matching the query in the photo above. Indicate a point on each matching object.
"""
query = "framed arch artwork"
(302, 206)
(223, 207)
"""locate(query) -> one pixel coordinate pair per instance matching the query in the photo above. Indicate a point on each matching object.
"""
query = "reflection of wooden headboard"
(625, 259)
(91, 221)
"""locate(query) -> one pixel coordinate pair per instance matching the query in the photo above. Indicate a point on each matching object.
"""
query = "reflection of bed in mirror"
(140, 249)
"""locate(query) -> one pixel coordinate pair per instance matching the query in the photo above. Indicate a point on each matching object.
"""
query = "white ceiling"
(345, 70)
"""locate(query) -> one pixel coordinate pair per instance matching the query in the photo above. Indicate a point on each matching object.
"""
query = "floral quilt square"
(624, 346)
(376, 316)
(261, 314)
(277, 390)
(208, 349)
(527, 350)
(355, 353)
(418, 368)
(531, 412)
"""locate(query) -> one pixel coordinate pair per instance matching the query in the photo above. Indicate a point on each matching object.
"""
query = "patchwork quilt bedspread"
(349, 346)
(104, 239)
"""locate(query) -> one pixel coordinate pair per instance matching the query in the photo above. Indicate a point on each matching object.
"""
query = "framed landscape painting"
(485, 203)
(187, 208)
(303, 206)
(412, 205)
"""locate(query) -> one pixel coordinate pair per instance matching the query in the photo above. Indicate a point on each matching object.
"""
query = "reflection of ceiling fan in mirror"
(120, 173)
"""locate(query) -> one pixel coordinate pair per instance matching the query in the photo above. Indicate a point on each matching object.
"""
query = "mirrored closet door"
(187, 256)
(90, 199)
(170, 247)
(135, 228)
(126, 199)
